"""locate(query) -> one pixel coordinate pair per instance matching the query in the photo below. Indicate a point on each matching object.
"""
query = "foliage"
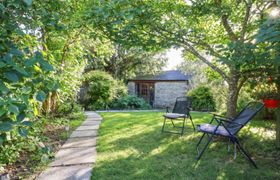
(266, 91)
(124, 63)
(25, 77)
(131, 145)
(129, 102)
(38, 147)
(202, 99)
(218, 33)
(246, 96)
(101, 89)
(68, 107)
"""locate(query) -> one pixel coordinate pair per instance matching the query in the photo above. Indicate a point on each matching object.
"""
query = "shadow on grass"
(131, 146)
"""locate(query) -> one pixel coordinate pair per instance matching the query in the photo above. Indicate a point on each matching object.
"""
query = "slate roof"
(173, 75)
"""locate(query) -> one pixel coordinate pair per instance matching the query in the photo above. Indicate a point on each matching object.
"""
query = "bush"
(68, 107)
(130, 102)
(202, 99)
(101, 89)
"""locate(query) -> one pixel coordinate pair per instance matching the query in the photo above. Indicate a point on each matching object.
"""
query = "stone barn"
(160, 90)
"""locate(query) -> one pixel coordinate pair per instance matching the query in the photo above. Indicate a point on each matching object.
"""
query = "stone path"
(75, 159)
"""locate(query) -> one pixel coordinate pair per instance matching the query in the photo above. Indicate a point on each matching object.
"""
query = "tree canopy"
(223, 30)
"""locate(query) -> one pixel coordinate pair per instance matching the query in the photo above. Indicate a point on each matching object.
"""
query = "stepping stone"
(77, 172)
(80, 142)
(84, 133)
(88, 113)
(74, 156)
(93, 119)
(90, 123)
(93, 127)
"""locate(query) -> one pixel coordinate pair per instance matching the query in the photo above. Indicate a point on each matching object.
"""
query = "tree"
(224, 30)
(123, 63)
(25, 70)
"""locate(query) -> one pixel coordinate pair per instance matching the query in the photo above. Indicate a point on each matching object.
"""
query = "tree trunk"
(232, 98)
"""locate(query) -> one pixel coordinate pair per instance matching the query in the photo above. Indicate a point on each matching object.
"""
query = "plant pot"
(271, 103)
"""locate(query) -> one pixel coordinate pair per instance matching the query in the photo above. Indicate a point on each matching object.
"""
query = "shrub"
(202, 99)
(130, 102)
(101, 89)
(68, 107)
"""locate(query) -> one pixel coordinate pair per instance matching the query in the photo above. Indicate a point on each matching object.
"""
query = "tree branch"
(226, 25)
(192, 50)
(246, 19)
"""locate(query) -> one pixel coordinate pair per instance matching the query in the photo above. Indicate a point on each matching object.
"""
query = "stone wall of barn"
(131, 88)
(167, 92)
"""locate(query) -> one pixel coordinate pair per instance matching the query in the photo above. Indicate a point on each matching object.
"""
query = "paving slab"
(84, 133)
(90, 123)
(74, 156)
(77, 172)
(94, 119)
(80, 142)
(90, 113)
(92, 127)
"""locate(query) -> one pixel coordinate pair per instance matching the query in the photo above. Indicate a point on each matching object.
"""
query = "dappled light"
(138, 149)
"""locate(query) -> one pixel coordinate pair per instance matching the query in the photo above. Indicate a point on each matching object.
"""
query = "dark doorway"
(146, 91)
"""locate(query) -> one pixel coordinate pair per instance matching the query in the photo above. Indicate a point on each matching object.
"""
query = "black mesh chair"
(180, 112)
(229, 128)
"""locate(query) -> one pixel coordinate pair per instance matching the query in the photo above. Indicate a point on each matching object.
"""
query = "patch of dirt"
(24, 167)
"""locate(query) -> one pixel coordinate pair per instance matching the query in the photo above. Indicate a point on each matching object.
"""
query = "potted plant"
(269, 95)
(271, 99)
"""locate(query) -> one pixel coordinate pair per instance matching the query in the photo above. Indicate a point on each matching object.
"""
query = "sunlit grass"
(131, 146)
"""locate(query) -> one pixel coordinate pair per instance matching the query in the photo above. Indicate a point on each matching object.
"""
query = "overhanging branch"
(192, 50)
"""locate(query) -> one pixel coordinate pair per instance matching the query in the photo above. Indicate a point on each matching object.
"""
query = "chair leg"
(201, 153)
(245, 153)
(200, 140)
(183, 127)
(162, 130)
(172, 123)
(192, 123)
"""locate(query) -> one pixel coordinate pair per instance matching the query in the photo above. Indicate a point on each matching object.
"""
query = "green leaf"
(2, 112)
(46, 66)
(2, 64)
(45, 158)
(30, 62)
(41, 96)
(20, 117)
(28, 2)
(23, 132)
(3, 87)
(5, 127)
(1, 141)
(22, 71)
(13, 108)
(27, 123)
(12, 76)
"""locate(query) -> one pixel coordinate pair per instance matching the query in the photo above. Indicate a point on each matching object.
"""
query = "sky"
(174, 57)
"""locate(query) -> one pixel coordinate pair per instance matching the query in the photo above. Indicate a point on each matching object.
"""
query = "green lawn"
(131, 146)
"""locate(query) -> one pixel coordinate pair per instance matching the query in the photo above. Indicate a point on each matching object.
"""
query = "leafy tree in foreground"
(25, 71)
(225, 30)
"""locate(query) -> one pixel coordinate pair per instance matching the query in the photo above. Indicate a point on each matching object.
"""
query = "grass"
(131, 146)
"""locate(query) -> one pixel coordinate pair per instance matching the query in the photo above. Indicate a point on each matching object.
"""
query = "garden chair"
(229, 128)
(180, 112)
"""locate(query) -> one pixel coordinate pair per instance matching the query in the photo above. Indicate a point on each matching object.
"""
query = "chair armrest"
(217, 115)
(225, 120)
